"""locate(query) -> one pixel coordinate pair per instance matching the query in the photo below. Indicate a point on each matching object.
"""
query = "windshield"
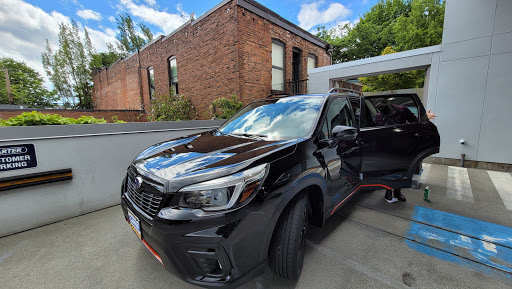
(275, 119)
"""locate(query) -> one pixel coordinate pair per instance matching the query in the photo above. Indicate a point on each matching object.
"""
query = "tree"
(105, 59)
(26, 85)
(128, 36)
(400, 24)
(69, 67)
(422, 27)
(409, 79)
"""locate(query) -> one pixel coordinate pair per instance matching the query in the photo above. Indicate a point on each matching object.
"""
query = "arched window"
(277, 65)
(173, 74)
(151, 82)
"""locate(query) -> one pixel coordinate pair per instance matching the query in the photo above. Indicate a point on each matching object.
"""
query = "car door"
(341, 162)
(391, 144)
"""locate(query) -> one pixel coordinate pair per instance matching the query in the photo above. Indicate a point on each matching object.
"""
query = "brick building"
(238, 47)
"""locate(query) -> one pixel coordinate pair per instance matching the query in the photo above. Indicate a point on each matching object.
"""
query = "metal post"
(8, 85)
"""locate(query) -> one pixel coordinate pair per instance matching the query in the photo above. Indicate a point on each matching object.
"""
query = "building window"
(277, 65)
(173, 75)
(311, 62)
(151, 82)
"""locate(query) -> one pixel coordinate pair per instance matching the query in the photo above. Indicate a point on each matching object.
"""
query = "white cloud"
(311, 15)
(24, 29)
(88, 14)
(168, 22)
(150, 2)
(112, 19)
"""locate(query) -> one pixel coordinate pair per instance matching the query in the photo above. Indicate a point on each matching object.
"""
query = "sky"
(26, 25)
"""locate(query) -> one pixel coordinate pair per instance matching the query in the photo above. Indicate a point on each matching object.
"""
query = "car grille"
(147, 202)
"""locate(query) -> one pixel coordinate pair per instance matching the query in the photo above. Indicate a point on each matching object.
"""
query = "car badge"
(138, 182)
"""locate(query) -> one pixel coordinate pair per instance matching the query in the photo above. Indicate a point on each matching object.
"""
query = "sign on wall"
(15, 157)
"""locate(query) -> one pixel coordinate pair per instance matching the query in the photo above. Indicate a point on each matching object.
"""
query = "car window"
(338, 114)
(324, 133)
(391, 110)
(276, 119)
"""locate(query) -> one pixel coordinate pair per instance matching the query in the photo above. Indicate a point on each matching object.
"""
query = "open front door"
(341, 162)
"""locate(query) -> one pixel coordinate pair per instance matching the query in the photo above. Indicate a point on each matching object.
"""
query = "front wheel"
(286, 254)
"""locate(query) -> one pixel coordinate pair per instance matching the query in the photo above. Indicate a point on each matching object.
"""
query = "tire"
(286, 252)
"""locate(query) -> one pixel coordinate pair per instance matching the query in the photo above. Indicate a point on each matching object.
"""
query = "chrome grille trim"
(145, 202)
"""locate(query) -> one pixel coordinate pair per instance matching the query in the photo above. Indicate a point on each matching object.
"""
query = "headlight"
(223, 193)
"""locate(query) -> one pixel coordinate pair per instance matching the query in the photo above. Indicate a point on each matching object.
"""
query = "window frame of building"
(173, 80)
(151, 81)
(282, 69)
(312, 56)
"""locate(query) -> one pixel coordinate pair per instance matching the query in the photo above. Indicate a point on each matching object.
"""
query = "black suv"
(215, 206)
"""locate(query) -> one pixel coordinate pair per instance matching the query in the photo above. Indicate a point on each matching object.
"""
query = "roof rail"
(277, 94)
(341, 89)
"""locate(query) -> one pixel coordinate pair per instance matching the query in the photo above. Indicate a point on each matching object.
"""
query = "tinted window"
(276, 119)
(391, 110)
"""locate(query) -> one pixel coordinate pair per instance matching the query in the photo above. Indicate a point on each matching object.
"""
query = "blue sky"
(26, 25)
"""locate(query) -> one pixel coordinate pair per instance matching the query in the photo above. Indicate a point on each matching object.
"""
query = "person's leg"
(398, 195)
(389, 198)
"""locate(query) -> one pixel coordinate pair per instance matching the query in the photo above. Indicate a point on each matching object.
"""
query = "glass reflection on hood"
(276, 119)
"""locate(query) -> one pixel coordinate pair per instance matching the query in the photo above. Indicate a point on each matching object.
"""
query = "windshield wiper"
(256, 136)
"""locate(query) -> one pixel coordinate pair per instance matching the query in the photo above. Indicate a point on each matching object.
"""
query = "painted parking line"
(478, 229)
(481, 246)
(458, 185)
(503, 183)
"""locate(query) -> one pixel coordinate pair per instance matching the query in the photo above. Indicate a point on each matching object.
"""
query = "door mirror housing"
(341, 133)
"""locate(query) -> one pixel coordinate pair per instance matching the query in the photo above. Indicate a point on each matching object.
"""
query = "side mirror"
(341, 133)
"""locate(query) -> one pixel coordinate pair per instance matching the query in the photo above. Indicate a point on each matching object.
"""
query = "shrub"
(38, 118)
(115, 119)
(223, 108)
(171, 108)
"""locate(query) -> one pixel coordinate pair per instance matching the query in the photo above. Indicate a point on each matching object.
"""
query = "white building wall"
(473, 99)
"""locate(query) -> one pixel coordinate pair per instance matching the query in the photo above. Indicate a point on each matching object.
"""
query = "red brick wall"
(126, 115)
(206, 55)
(255, 38)
(227, 52)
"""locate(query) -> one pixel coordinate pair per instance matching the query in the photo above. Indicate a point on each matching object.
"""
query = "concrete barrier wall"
(98, 154)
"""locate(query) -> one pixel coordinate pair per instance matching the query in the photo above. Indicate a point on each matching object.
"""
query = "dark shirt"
(401, 115)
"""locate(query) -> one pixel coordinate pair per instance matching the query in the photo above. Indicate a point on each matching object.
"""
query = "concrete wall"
(467, 81)
(473, 96)
(98, 155)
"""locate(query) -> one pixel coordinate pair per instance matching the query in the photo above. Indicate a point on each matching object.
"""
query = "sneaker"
(388, 197)
(398, 195)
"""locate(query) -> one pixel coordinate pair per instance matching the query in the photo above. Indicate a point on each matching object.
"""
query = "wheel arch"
(315, 187)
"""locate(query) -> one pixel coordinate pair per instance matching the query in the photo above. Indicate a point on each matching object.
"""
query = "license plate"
(134, 223)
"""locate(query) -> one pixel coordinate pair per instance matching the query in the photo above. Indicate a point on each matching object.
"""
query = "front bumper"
(225, 250)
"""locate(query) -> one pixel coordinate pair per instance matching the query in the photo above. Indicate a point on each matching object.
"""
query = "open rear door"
(395, 143)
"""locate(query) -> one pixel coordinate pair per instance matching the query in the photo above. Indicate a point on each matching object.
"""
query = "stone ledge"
(469, 164)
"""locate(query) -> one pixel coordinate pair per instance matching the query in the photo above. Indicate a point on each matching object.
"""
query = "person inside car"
(390, 114)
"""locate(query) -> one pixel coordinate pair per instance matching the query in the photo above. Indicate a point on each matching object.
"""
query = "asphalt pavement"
(462, 238)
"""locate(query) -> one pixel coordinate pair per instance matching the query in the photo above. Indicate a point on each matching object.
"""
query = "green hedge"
(38, 118)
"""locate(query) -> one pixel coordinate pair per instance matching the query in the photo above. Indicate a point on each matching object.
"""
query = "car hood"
(205, 156)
